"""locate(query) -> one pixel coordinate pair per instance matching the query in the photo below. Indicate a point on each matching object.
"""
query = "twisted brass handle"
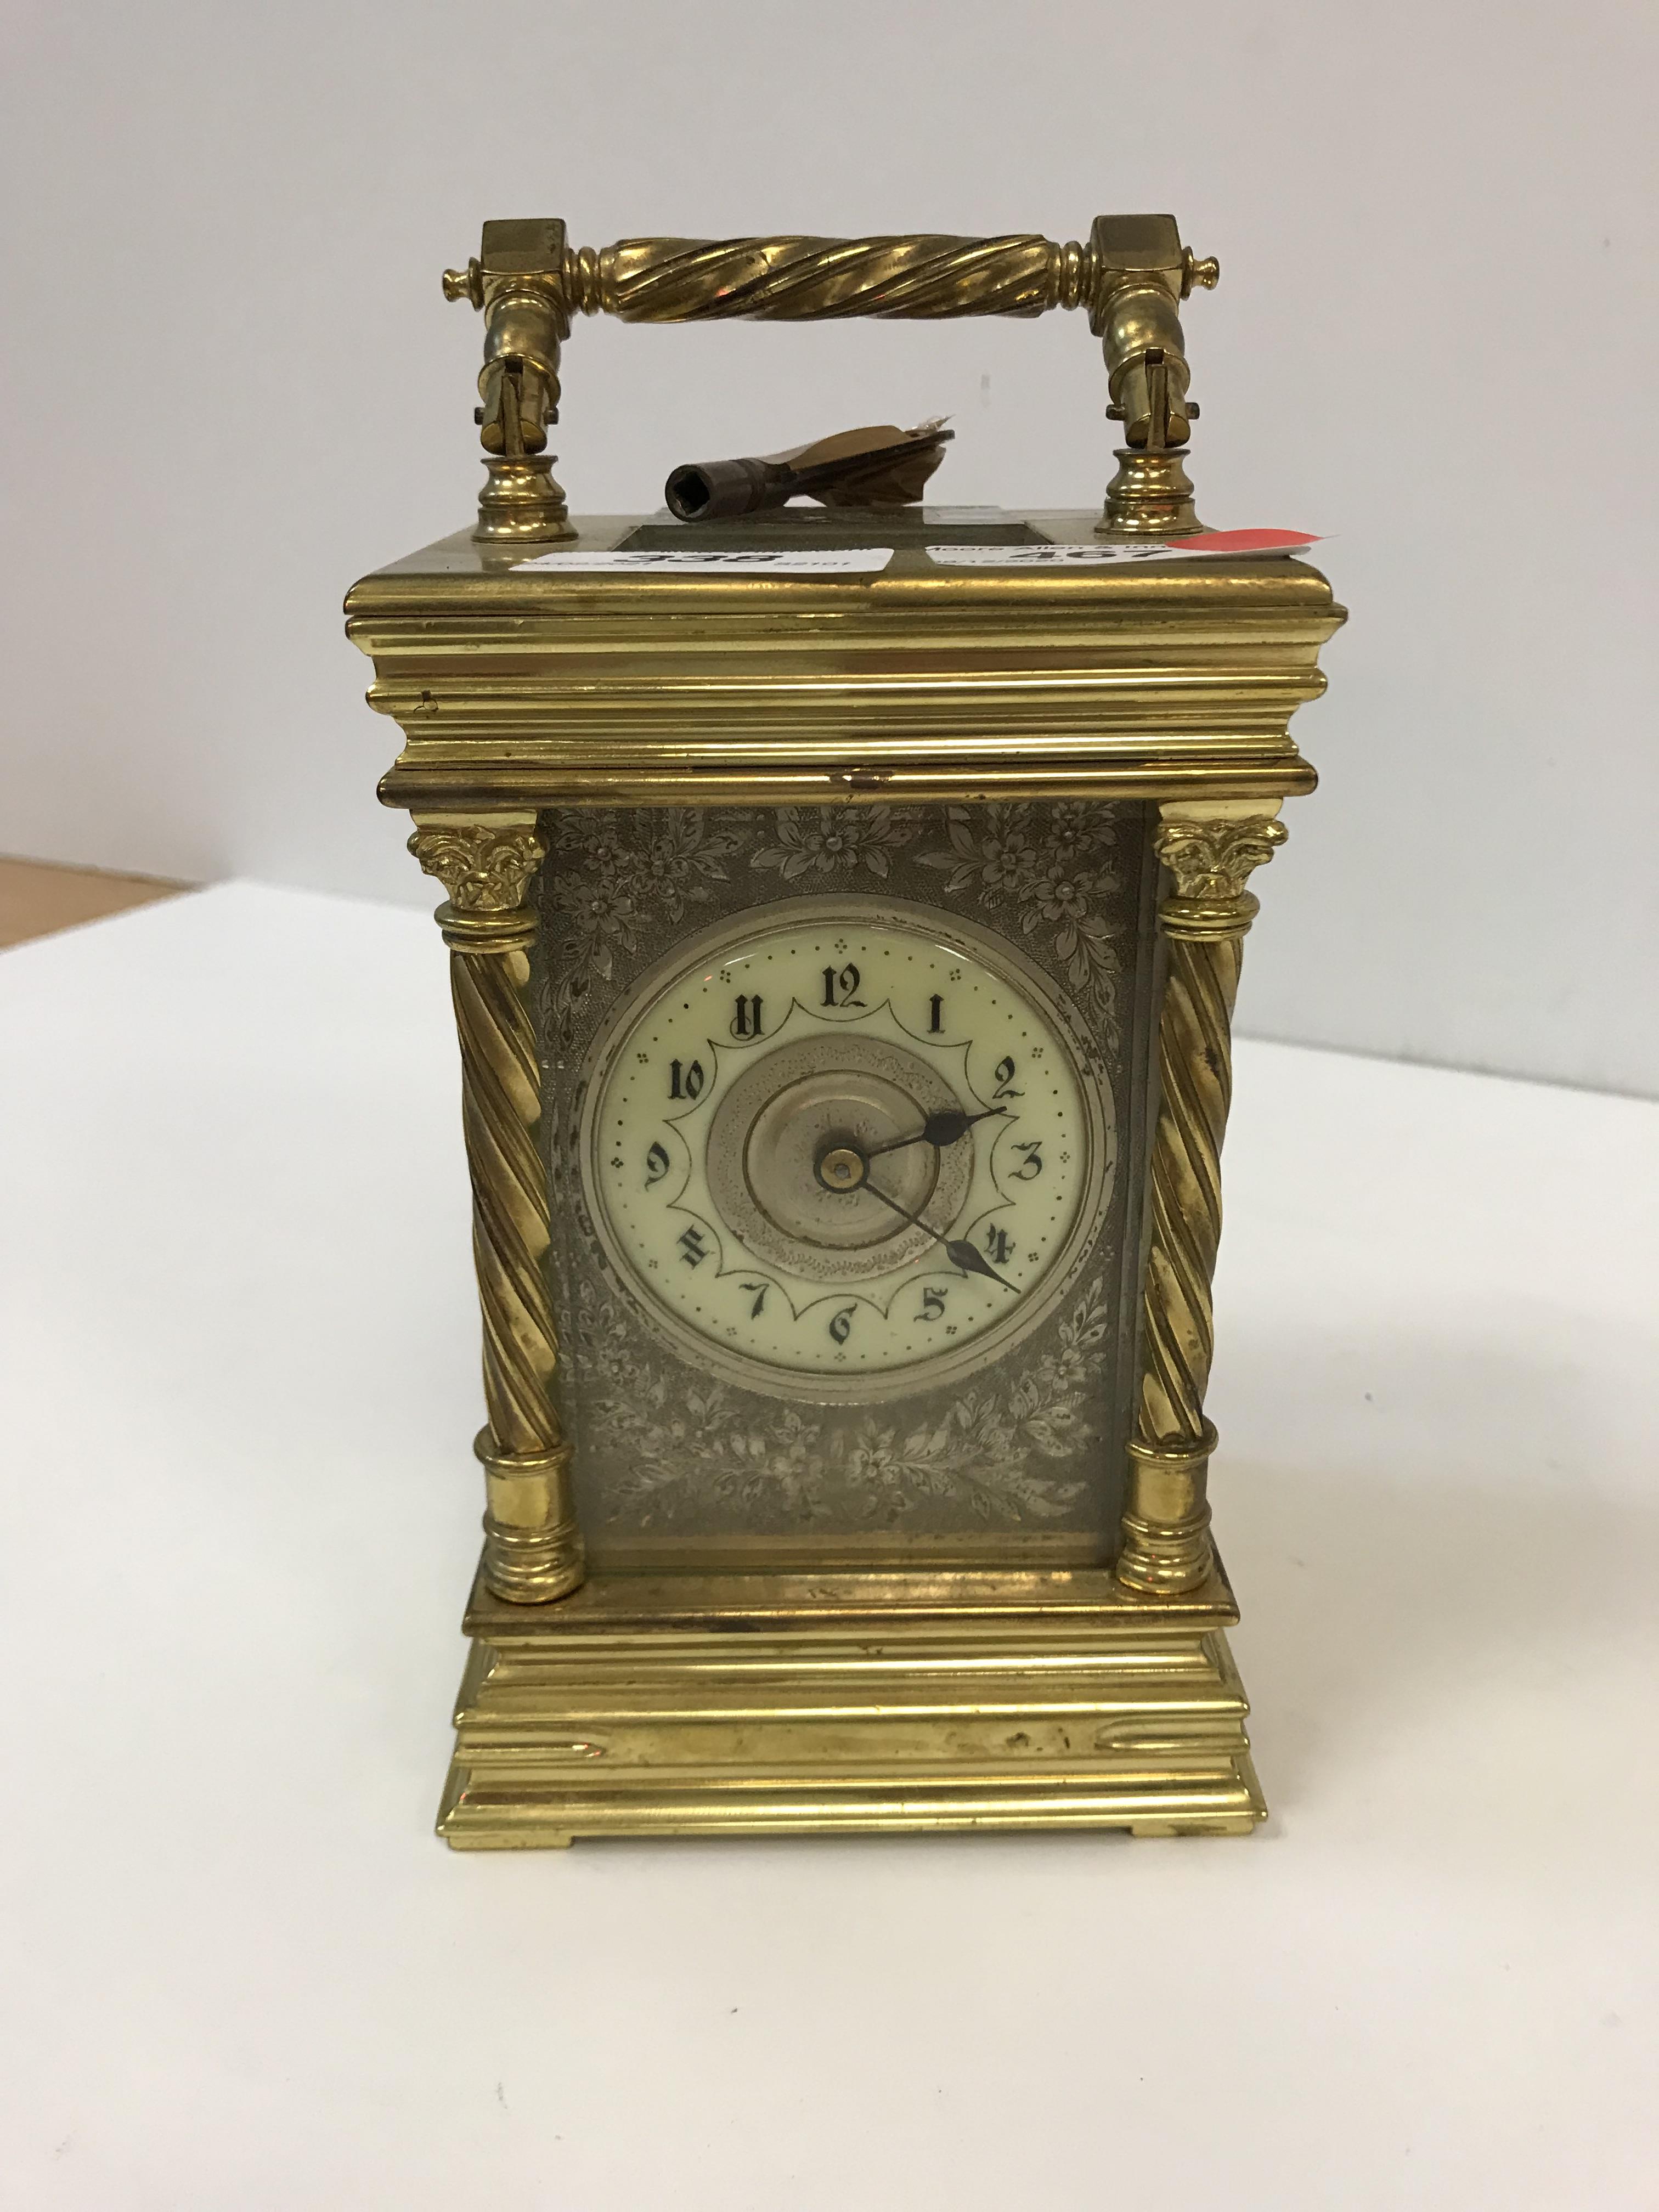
(921, 277)
(917, 276)
(1130, 278)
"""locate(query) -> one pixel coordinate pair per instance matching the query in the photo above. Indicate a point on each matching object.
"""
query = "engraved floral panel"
(1005, 1448)
(824, 841)
(1050, 866)
(1032, 1444)
(619, 883)
(613, 881)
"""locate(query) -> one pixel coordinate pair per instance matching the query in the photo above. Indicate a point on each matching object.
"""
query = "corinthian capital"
(1211, 851)
(485, 865)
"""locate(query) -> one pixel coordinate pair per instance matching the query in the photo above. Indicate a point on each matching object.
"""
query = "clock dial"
(842, 1150)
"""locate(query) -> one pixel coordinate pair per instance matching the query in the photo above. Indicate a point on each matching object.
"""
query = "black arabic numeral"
(656, 1165)
(759, 1291)
(687, 1083)
(693, 1250)
(841, 990)
(935, 1014)
(1005, 1075)
(1030, 1161)
(841, 1324)
(932, 1305)
(746, 1022)
(998, 1243)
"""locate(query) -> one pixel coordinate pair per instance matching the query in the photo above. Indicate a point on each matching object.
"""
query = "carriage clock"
(844, 945)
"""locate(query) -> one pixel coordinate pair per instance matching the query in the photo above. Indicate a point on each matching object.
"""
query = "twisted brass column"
(1210, 848)
(532, 1546)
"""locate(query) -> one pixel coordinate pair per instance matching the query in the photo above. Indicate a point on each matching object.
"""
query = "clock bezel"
(944, 928)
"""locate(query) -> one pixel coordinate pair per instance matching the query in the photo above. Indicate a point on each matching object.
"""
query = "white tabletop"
(242, 1514)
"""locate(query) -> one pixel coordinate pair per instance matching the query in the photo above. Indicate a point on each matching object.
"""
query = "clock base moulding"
(748, 1705)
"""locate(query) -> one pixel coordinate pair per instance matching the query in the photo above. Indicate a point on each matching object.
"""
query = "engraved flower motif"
(1073, 829)
(1047, 861)
(829, 841)
(601, 916)
(872, 1457)
(990, 846)
(1060, 898)
(1006, 863)
(686, 853)
(1072, 901)
(611, 877)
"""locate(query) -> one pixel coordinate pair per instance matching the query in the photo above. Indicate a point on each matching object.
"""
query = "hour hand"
(946, 1124)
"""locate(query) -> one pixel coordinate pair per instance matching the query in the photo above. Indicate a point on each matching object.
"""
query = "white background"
(232, 385)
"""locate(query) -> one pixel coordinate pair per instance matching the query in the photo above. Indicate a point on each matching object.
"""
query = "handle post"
(518, 281)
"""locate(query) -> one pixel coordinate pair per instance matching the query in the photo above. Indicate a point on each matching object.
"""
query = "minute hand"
(944, 1125)
(959, 1253)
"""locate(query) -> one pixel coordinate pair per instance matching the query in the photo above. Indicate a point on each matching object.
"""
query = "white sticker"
(1042, 557)
(959, 516)
(1208, 545)
(740, 561)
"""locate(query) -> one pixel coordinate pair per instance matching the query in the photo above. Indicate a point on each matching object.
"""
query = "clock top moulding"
(519, 686)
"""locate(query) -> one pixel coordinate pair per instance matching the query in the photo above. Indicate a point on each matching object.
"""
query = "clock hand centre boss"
(845, 907)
